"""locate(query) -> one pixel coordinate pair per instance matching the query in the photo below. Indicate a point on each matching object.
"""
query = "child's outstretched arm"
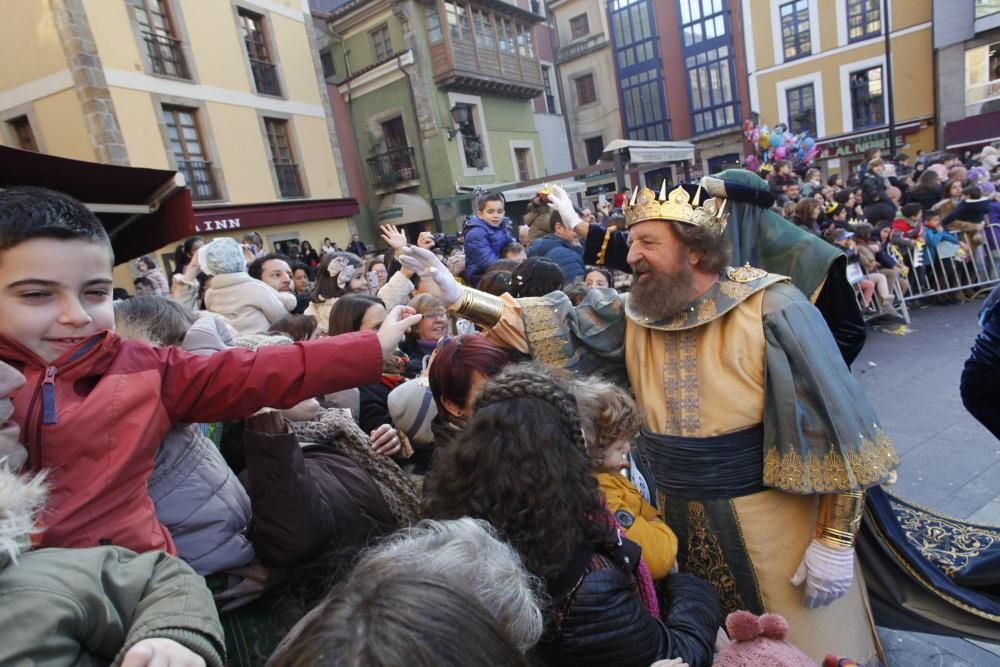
(234, 384)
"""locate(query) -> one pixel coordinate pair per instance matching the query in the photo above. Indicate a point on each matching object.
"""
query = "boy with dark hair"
(486, 233)
(96, 407)
(144, 286)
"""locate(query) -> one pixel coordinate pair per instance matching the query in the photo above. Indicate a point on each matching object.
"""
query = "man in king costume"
(760, 440)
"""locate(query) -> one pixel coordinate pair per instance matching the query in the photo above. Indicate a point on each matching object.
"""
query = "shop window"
(282, 158)
(867, 107)
(795, 29)
(585, 91)
(186, 143)
(265, 72)
(801, 104)
(864, 19)
(160, 37)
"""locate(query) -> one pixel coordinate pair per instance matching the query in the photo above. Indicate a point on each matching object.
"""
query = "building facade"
(439, 97)
(227, 92)
(586, 76)
(821, 66)
(967, 41)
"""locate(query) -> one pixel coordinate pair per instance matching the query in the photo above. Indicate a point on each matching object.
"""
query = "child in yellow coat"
(610, 420)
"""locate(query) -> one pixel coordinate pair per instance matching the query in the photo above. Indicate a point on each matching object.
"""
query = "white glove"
(827, 571)
(426, 265)
(561, 202)
(394, 327)
(161, 653)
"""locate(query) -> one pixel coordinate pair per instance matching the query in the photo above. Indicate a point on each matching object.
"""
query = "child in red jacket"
(95, 408)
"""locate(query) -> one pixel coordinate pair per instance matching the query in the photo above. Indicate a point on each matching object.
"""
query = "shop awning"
(245, 216)
(972, 131)
(641, 152)
(526, 193)
(402, 209)
(142, 209)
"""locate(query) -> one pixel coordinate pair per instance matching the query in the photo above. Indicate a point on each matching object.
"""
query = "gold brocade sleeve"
(839, 518)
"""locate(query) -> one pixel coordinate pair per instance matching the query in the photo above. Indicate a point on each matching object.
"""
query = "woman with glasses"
(423, 338)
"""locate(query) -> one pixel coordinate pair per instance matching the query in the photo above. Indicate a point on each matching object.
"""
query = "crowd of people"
(930, 226)
(261, 458)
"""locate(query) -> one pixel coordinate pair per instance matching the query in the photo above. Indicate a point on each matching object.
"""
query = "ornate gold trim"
(838, 471)
(608, 233)
(680, 383)
(839, 518)
(543, 331)
(705, 558)
(950, 545)
(480, 307)
(745, 273)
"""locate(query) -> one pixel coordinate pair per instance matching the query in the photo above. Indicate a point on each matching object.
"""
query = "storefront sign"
(222, 218)
(217, 225)
(644, 155)
(857, 146)
(390, 213)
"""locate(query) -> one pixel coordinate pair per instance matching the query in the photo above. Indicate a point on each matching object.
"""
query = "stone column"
(90, 83)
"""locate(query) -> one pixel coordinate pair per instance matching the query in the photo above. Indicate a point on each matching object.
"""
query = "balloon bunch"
(778, 144)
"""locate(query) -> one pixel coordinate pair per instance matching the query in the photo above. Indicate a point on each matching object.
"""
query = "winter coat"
(981, 375)
(248, 304)
(926, 198)
(483, 244)
(934, 237)
(641, 522)
(88, 607)
(307, 498)
(569, 257)
(374, 407)
(96, 416)
(604, 622)
(873, 190)
(200, 501)
(970, 210)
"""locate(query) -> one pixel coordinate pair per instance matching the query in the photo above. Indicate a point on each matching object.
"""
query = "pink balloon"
(752, 163)
(811, 153)
(780, 152)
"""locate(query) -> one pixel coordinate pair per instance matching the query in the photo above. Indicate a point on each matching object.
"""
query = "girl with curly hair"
(521, 463)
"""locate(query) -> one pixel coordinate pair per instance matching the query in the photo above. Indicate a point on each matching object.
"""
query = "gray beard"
(662, 295)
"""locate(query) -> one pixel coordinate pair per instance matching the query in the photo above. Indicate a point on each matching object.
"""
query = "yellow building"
(229, 93)
(820, 65)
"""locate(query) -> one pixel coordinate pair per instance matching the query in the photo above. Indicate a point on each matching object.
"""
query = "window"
(381, 43)
(525, 45)
(21, 129)
(458, 21)
(285, 169)
(993, 67)
(550, 98)
(579, 26)
(483, 27)
(795, 37)
(801, 103)
(867, 108)
(864, 19)
(595, 148)
(986, 8)
(472, 138)
(505, 35)
(537, 7)
(522, 157)
(710, 64)
(265, 74)
(432, 21)
(326, 60)
(585, 93)
(639, 69)
(188, 148)
(163, 45)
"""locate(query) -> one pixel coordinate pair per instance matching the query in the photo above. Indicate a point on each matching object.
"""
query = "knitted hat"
(759, 640)
(222, 256)
(412, 409)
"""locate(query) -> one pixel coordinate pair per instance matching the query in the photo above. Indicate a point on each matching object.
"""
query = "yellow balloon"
(765, 139)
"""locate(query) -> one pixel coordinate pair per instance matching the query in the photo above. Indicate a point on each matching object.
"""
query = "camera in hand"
(445, 242)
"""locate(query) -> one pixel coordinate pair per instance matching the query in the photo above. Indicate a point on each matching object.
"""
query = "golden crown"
(645, 205)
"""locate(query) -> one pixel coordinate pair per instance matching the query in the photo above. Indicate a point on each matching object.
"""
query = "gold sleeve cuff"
(839, 518)
(604, 245)
(479, 307)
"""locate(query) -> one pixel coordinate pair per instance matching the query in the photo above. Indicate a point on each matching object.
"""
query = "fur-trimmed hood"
(21, 500)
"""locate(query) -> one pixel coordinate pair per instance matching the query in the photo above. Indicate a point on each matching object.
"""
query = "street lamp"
(459, 114)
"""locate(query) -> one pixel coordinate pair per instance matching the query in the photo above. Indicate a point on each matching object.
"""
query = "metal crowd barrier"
(955, 269)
